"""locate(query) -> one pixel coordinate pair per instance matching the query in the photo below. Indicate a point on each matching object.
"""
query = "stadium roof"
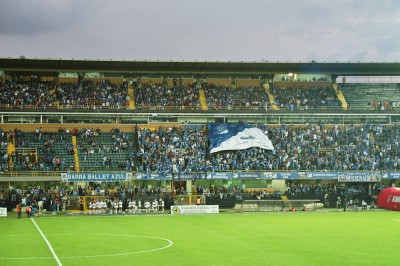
(54, 66)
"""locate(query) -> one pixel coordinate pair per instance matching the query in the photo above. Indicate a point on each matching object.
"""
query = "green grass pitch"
(311, 238)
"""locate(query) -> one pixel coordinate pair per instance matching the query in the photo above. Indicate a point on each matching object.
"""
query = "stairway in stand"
(271, 97)
(76, 154)
(10, 150)
(340, 96)
(203, 101)
(131, 94)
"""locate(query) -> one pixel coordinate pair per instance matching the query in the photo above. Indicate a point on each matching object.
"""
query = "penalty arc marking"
(169, 243)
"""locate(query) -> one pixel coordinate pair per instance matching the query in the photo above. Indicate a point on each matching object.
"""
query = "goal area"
(278, 205)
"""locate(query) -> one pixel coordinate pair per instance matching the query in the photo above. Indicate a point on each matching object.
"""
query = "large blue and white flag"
(236, 137)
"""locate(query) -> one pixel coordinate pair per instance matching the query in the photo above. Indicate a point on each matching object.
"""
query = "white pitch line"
(47, 242)
(170, 243)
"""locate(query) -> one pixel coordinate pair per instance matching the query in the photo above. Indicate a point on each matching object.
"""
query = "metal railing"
(58, 173)
(184, 109)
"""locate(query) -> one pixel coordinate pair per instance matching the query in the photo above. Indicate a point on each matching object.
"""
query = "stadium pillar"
(278, 185)
(189, 188)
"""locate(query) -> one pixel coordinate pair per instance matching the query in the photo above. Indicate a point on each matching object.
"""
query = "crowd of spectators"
(312, 147)
(37, 151)
(305, 98)
(5, 138)
(15, 160)
(55, 198)
(104, 94)
(106, 146)
(88, 94)
(31, 95)
(236, 192)
(297, 190)
(329, 193)
(171, 150)
(162, 95)
(82, 94)
(91, 94)
(228, 97)
(325, 193)
(318, 147)
(385, 105)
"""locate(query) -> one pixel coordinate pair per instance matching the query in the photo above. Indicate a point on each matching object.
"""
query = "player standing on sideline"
(90, 207)
(134, 206)
(161, 205)
(103, 206)
(130, 206)
(139, 205)
(109, 206)
(363, 205)
(40, 206)
(18, 210)
(350, 204)
(147, 206)
(155, 206)
(115, 206)
(338, 203)
(29, 211)
(99, 206)
(80, 204)
(355, 205)
(120, 206)
(95, 207)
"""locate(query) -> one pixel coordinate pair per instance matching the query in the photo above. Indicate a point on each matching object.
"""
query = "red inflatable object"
(389, 198)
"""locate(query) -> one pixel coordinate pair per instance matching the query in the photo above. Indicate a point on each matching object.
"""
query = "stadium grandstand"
(135, 129)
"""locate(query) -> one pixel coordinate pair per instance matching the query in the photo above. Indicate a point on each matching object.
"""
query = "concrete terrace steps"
(363, 94)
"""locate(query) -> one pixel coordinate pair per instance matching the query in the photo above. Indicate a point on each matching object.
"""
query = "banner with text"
(339, 176)
(194, 209)
(153, 176)
(359, 177)
(96, 177)
(391, 175)
(3, 212)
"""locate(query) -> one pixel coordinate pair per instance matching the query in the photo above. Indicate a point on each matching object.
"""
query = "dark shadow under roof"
(54, 66)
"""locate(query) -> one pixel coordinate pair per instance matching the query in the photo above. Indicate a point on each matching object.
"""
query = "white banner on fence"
(194, 209)
(359, 177)
(3, 212)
